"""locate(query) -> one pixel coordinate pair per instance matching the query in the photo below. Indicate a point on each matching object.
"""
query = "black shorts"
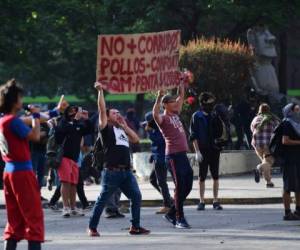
(211, 159)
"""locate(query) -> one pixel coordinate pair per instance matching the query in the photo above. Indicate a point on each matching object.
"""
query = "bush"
(221, 67)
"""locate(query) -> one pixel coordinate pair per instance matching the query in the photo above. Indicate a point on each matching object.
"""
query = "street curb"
(226, 201)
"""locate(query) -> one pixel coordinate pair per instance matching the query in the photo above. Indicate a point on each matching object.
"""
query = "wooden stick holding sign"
(138, 63)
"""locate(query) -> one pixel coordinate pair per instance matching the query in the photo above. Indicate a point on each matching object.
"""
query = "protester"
(291, 166)
(158, 176)
(22, 195)
(262, 128)
(243, 114)
(70, 130)
(117, 173)
(205, 128)
(38, 153)
(176, 148)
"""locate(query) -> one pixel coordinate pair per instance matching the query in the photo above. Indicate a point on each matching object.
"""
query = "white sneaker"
(66, 212)
(77, 212)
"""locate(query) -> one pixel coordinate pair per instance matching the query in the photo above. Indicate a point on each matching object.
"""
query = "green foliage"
(50, 46)
(220, 67)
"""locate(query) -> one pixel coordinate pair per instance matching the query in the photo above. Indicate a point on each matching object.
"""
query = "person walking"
(176, 148)
(205, 128)
(262, 128)
(117, 173)
(158, 176)
(291, 166)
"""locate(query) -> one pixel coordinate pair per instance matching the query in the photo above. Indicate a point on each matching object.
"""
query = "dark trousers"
(113, 203)
(182, 174)
(158, 179)
(112, 181)
(80, 192)
(38, 165)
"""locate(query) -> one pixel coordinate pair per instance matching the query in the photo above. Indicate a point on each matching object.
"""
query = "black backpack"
(98, 154)
(54, 151)
(275, 146)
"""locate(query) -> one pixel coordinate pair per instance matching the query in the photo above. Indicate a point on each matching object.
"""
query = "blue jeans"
(111, 181)
(38, 164)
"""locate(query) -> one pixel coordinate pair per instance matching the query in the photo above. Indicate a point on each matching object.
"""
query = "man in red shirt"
(25, 218)
(176, 148)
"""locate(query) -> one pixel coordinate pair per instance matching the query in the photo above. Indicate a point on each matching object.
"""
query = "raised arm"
(180, 98)
(101, 106)
(156, 108)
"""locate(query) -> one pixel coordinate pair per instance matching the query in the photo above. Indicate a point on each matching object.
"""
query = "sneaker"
(138, 231)
(201, 206)
(291, 216)
(76, 212)
(88, 207)
(93, 232)
(182, 224)
(119, 215)
(114, 215)
(43, 199)
(66, 212)
(124, 210)
(163, 210)
(54, 207)
(170, 218)
(270, 185)
(217, 206)
(256, 175)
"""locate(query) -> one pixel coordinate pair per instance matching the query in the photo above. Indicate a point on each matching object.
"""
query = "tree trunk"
(139, 105)
(283, 62)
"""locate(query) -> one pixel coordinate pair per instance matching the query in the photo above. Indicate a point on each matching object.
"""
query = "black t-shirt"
(73, 132)
(291, 152)
(116, 147)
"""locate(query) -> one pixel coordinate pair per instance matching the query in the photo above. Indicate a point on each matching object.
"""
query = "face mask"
(208, 107)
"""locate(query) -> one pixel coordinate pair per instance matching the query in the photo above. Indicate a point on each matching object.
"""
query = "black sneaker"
(270, 185)
(119, 215)
(217, 206)
(256, 175)
(291, 216)
(201, 206)
(54, 207)
(43, 199)
(88, 206)
(170, 218)
(114, 215)
(182, 224)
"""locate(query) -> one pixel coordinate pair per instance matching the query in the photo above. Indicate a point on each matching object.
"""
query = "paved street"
(233, 190)
(236, 227)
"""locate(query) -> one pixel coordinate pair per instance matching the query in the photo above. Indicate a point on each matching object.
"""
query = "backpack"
(98, 154)
(275, 145)
(54, 151)
(220, 131)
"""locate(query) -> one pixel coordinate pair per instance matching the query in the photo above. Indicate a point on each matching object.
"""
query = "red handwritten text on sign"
(138, 63)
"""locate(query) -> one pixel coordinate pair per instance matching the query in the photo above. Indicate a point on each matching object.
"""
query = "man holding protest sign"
(117, 173)
(176, 148)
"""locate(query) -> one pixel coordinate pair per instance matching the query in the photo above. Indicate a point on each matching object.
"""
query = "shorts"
(68, 171)
(210, 160)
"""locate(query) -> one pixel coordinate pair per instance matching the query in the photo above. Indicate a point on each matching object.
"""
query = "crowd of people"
(25, 146)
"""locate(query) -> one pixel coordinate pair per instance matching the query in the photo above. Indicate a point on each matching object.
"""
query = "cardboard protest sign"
(139, 63)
